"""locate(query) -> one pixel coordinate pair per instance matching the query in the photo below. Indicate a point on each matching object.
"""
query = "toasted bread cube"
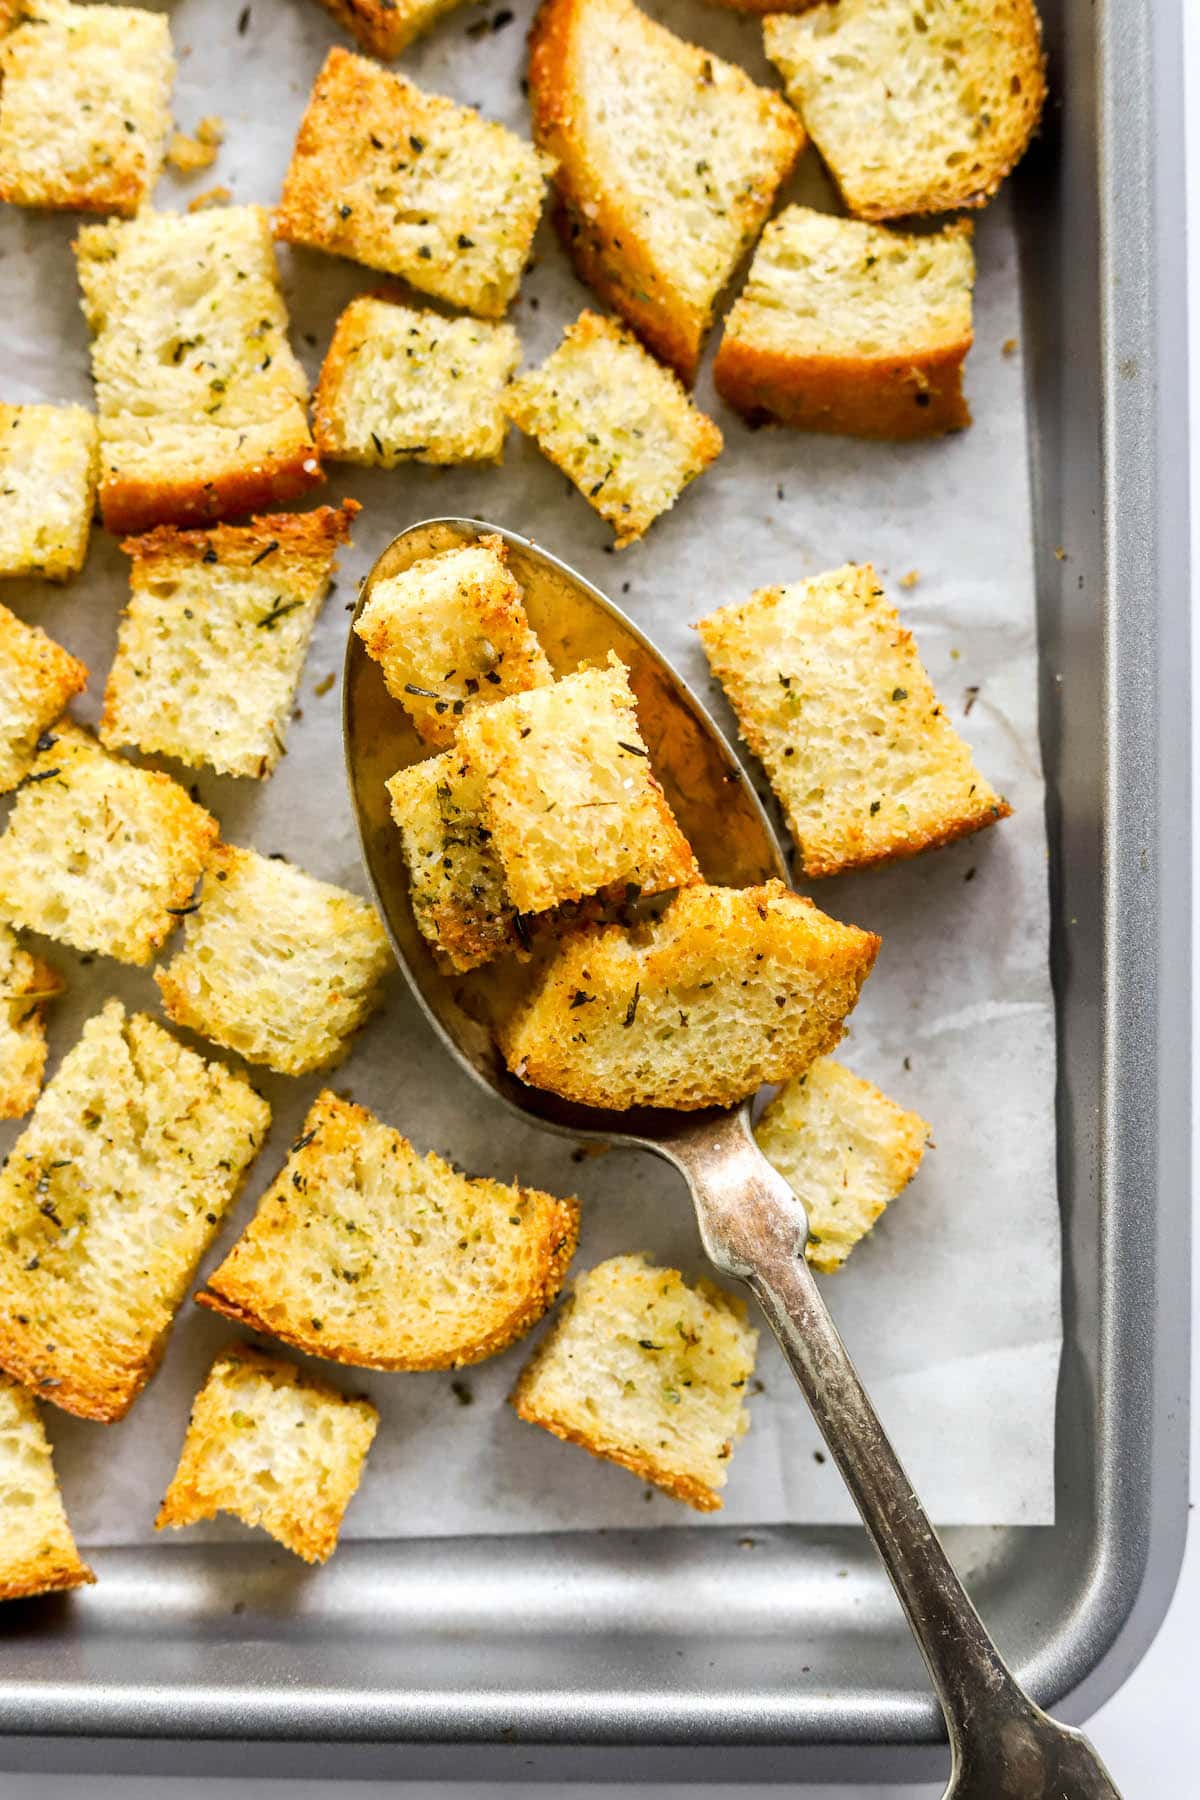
(37, 1551)
(213, 640)
(728, 989)
(616, 423)
(274, 1447)
(846, 1149)
(276, 965)
(569, 796)
(851, 328)
(85, 97)
(398, 385)
(831, 696)
(669, 160)
(451, 635)
(26, 986)
(386, 27)
(201, 401)
(413, 184)
(367, 1253)
(48, 467)
(647, 1372)
(100, 854)
(37, 678)
(914, 109)
(108, 1200)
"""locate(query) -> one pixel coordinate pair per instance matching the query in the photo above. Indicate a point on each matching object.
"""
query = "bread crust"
(386, 27)
(131, 505)
(909, 394)
(37, 1577)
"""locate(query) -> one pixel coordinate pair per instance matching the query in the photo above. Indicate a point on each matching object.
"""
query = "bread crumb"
(911, 579)
(187, 154)
(213, 196)
(1009, 346)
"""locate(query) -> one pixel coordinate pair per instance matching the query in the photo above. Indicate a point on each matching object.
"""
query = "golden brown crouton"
(27, 985)
(386, 27)
(37, 678)
(48, 467)
(37, 1551)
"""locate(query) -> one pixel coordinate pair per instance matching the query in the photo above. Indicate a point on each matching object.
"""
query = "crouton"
(211, 645)
(846, 1149)
(831, 696)
(451, 635)
(398, 385)
(37, 678)
(914, 109)
(386, 27)
(647, 1372)
(276, 965)
(413, 184)
(108, 1200)
(100, 854)
(26, 986)
(37, 1551)
(49, 460)
(851, 328)
(669, 160)
(367, 1253)
(616, 423)
(201, 401)
(85, 96)
(728, 989)
(274, 1447)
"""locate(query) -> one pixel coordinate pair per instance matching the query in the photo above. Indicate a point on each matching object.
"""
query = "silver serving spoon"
(1003, 1747)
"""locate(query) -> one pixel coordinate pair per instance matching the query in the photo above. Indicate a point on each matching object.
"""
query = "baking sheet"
(951, 1308)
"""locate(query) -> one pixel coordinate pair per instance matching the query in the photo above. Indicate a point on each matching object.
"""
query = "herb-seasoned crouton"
(367, 1253)
(26, 985)
(730, 988)
(648, 1372)
(832, 697)
(399, 385)
(915, 109)
(37, 678)
(846, 1149)
(616, 422)
(669, 159)
(569, 796)
(213, 640)
(852, 328)
(37, 1551)
(451, 636)
(413, 184)
(108, 1200)
(201, 401)
(386, 27)
(85, 94)
(275, 1448)
(98, 853)
(275, 965)
(48, 466)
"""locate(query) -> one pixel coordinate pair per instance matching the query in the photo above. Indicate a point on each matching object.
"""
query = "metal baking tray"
(671, 1655)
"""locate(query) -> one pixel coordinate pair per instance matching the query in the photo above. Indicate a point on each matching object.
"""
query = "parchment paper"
(952, 1306)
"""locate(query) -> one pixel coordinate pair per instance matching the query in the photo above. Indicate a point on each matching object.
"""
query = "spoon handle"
(1003, 1746)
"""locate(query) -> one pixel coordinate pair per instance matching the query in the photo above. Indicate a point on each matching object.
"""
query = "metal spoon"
(1003, 1747)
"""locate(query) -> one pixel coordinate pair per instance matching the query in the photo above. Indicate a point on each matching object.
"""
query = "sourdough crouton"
(915, 110)
(276, 965)
(365, 1252)
(413, 184)
(846, 1149)
(213, 640)
(37, 678)
(831, 696)
(201, 401)
(851, 328)
(669, 160)
(275, 1448)
(108, 1200)
(451, 635)
(85, 95)
(100, 854)
(730, 988)
(399, 385)
(569, 796)
(48, 468)
(26, 985)
(37, 1551)
(386, 27)
(616, 423)
(647, 1372)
